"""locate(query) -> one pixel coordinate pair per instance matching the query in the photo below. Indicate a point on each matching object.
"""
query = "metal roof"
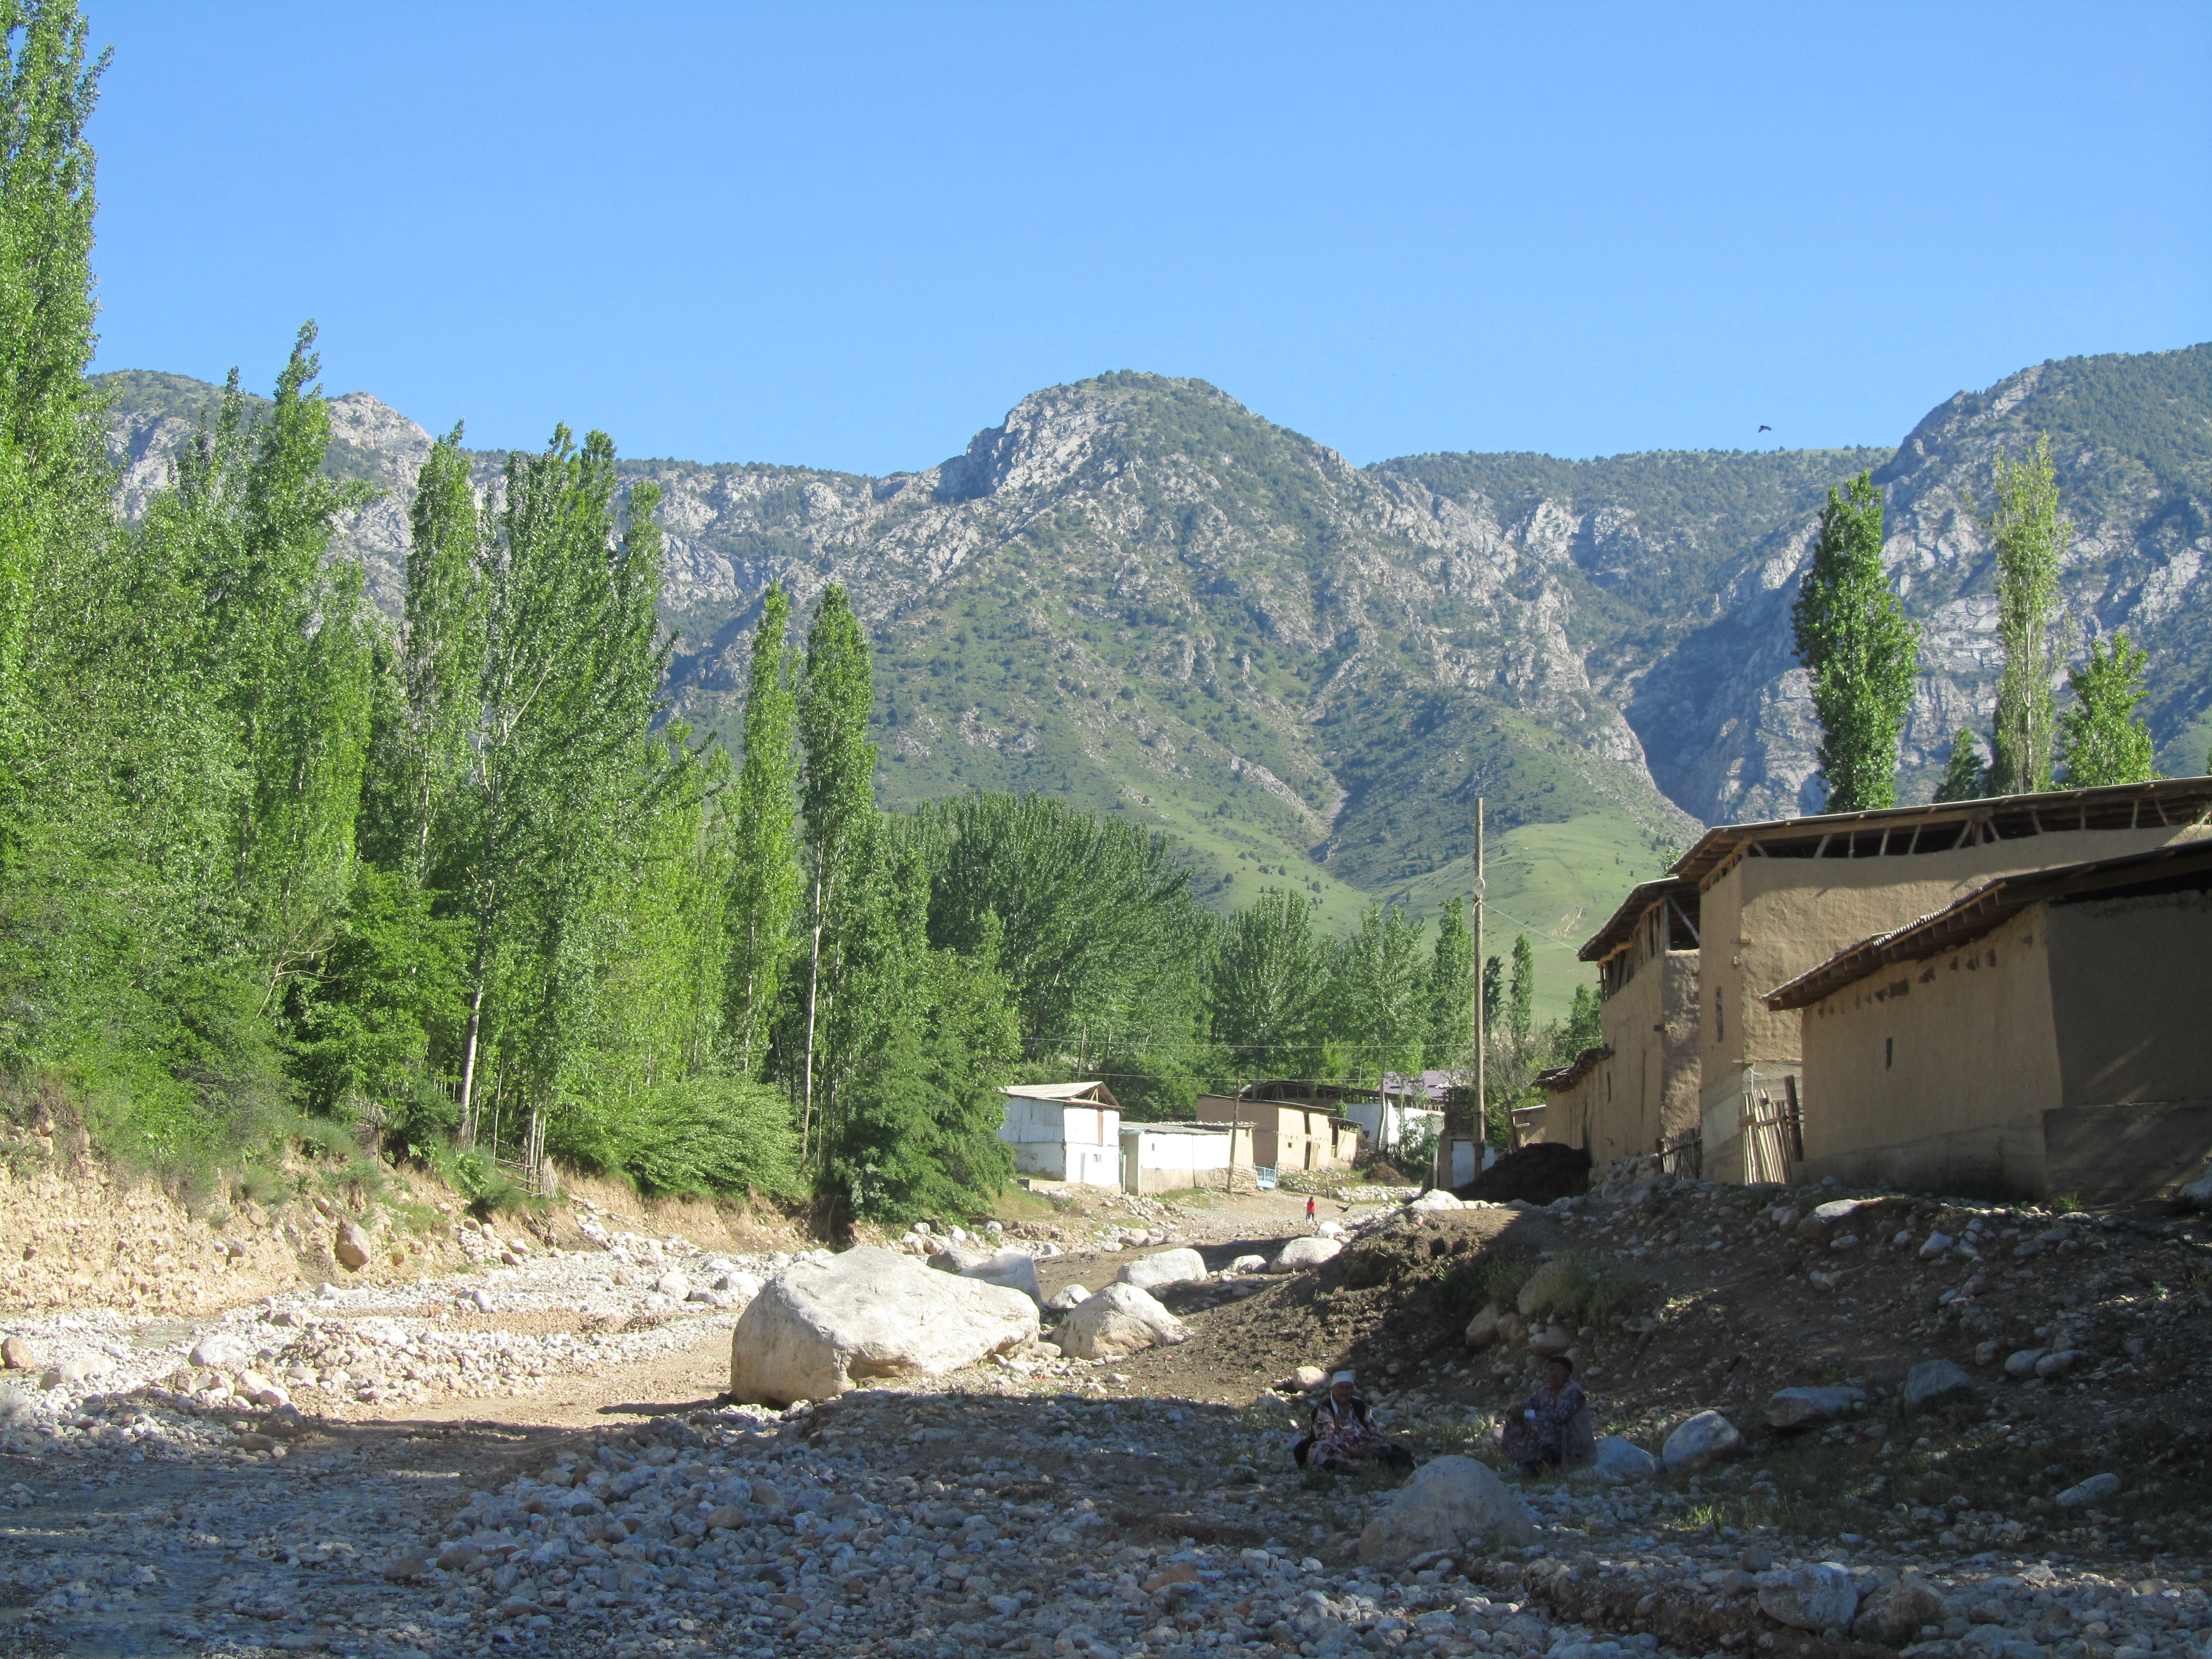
(2176, 868)
(1617, 932)
(1893, 830)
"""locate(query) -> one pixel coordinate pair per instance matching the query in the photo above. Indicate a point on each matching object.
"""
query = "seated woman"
(1344, 1440)
(1552, 1425)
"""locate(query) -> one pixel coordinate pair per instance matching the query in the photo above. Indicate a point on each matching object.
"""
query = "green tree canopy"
(1267, 1001)
(1965, 777)
(1859, 648)
(2101, 740)
(2030, 534)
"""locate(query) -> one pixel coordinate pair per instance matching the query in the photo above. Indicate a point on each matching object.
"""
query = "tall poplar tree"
(1521, 996)
(54, 476)
(1451, 989)
(837, 808)
(444, 643)
(764, 854)
(2030, 535)
(1858, 647)
(570, 687)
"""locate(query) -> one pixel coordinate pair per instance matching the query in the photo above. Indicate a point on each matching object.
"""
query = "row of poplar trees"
(273, 868)
(1861, 653)
(278, 869)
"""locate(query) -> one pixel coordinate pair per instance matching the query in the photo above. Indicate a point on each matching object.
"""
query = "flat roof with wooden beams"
(1617, 933)
(2182, 867)
(1902, 830)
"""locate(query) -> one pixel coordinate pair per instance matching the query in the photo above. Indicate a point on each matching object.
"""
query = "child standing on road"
(1312, 1226)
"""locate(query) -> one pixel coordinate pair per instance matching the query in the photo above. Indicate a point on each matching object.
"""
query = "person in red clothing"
(1310, 1222)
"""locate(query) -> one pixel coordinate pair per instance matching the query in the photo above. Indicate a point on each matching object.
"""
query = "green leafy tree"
(1381, 1005)
(1451, 989)
(1965, 777)
(767, 882)
(2030, 535)
(571, 684)
(384, 992)
(284, 653)
(444, 646)
(53, 472)
(1520, 998)
(920, 1132)
(1582, 1028)
(837, 807)
(2101, 740)
(1859, 649)
(1108, 950)
(1267, 999)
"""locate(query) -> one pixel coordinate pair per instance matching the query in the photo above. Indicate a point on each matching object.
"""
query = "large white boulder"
(1067, 1297)
(2087, 1491)
(1624, 1460)
(1150, 1273)
(1812, 1597)
(1550, 1286)
(1015, 1269)
(1934, 1381)
(1895, 1617)
(1330, 1230)
(1802, 1408)
(1303, 1253)
(220, 1350)
(1435, 1199)
(1450, 1501)
(1700, 1439)
(818, 1327)
(1121, 1318)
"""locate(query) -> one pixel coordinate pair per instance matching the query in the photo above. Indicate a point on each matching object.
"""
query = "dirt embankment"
(77, 1233)
(1715, 1298)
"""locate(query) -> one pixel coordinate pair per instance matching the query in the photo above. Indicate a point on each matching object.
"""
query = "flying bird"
(1766, 428)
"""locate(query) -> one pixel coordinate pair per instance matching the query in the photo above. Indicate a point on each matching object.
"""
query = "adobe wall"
(2130, 981)
(1936, 1075)
(1648, 1091)
(1765, 921)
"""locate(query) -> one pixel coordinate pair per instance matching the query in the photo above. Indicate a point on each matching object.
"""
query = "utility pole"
(1448, 1142)
(1236, 1111)
(1481, 1125)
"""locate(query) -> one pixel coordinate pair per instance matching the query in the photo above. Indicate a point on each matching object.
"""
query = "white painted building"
(1159, 1157)
(1387, 1122)
(1069, 1132)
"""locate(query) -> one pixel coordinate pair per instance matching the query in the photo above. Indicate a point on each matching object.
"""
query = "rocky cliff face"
(1137, 593)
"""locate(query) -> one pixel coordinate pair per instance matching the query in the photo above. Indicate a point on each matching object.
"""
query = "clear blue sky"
(849, 236)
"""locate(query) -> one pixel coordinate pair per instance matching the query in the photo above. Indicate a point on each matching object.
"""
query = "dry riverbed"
(553, 1472)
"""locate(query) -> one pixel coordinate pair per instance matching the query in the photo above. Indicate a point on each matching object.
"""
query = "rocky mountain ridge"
(1137, 593)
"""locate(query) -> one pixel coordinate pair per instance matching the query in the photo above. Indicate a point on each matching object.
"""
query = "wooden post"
(1235, 1109)
(1481, 1104)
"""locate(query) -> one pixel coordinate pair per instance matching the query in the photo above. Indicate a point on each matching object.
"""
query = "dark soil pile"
(1535, 1174)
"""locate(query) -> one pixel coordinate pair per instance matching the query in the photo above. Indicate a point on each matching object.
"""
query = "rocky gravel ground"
(308, 1482)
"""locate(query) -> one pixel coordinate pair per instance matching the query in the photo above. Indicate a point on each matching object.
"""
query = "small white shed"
(1159, 1157)
(1069, 1132)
